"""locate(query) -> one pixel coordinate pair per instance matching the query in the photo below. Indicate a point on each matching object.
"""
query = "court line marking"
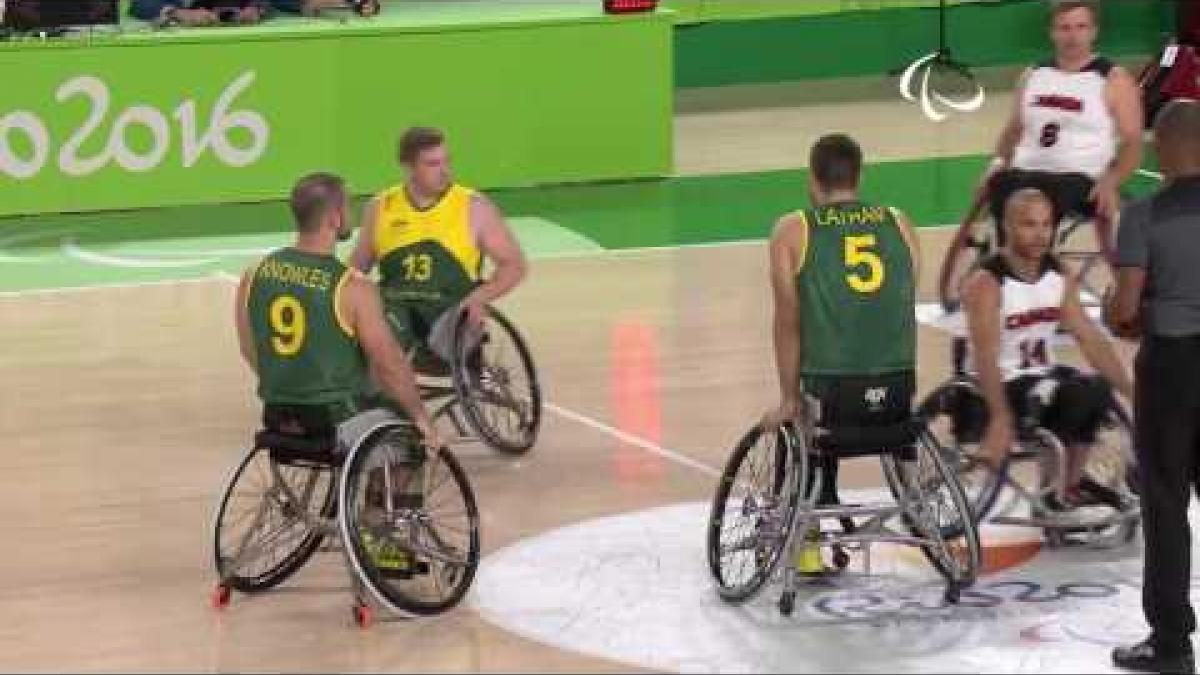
(1150, 174)
(109, 286)
(648, 446)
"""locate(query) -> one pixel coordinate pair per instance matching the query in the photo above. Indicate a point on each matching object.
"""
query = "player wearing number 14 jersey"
(430, 237)
(1015, 303)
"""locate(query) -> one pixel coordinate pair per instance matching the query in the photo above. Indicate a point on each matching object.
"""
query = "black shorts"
(1069, 192)
(1077, 409)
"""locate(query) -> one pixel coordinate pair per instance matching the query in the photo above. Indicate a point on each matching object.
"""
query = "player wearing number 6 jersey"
(1074, 133)
(313, 330)
(430, 237)
(1015, 303)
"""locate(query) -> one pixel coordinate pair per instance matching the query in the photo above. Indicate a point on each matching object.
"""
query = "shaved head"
(1177, 137)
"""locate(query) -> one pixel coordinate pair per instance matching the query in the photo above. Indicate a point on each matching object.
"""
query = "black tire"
(443, 570)
(468, 369)
(248, 478)
(949, 541)
(951, 414)
(786, 470)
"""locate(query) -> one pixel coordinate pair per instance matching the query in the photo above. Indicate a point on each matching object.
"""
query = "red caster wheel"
(220, 596)
(363, 616)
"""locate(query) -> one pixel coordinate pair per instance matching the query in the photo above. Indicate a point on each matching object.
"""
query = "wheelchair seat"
(862, 415)
(300, 435)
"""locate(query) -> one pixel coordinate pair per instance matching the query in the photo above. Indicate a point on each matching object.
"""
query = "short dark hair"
(1178, 123)
(1060, 7)
(313, 196)
(416, 140)
(836, 161)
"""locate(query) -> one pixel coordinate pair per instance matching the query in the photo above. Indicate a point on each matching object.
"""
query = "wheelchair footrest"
(852, 510)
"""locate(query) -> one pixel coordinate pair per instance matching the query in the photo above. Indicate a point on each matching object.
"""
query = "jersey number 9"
(288, 325)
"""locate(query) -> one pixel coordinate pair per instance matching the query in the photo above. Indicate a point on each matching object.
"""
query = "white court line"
(1150, 174)
(652, 448)
(108, 287)
(226, 276)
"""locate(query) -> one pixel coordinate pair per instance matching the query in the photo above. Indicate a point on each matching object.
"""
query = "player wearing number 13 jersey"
(430, 237)
(1015, 303)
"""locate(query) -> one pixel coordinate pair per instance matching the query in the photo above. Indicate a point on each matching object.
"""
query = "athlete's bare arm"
(498, 244)
(363, 257)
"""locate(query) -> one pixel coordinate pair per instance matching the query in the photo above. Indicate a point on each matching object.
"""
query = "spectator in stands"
(312, 7)
(200, 12)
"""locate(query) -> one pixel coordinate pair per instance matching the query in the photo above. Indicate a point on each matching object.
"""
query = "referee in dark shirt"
(1158, 296)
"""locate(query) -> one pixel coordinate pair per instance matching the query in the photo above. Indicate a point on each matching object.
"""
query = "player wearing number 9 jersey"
(313, 330)
(430, 237)
(1015, 303)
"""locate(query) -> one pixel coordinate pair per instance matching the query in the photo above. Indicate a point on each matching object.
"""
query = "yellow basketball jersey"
(426, 254)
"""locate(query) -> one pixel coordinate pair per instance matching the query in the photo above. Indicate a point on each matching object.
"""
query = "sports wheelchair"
(404, 515)
(956, 414)
(1076, 244)
(483, 383)
(776, 495)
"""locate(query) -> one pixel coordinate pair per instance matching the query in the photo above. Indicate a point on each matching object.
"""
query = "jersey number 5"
(859, 253)
(289, 325)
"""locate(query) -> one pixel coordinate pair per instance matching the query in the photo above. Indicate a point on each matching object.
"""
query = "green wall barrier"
(236, 115)
(837, 43)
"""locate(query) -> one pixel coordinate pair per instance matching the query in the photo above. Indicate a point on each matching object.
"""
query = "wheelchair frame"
(332, 521)
(799, 524)
(1033, 442)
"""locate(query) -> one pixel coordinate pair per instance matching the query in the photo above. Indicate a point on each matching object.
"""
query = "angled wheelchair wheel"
(754, 511)
(955, 415)
(935, 508)
(409, 522)
(496, 383)
(267, 522)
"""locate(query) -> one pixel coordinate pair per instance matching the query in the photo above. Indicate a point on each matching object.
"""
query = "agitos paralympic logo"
(932, 101)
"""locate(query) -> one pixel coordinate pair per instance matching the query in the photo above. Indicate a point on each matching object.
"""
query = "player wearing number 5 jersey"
(1074, 133)
(843, 275)
(430, 237)
(313, 330)
(1015, 303)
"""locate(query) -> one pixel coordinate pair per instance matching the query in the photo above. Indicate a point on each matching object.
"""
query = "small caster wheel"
(953, 594)
(220, 596)
(841, 559)
(363, 616)
(787, 603)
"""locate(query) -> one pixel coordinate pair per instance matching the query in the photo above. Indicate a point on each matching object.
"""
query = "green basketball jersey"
(306, 353)
(856, 291)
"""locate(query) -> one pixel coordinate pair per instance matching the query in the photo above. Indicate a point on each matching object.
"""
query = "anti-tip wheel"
(363, 616)
(220, 597)
(787, 603)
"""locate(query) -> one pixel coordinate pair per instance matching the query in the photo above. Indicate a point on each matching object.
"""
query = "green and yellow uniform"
(428, 259)
(856, 288)
(306, 352)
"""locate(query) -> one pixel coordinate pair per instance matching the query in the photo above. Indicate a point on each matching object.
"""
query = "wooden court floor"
(124, 408)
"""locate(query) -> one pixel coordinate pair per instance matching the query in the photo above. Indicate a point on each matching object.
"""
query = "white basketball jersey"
(1030, 313)
(1067, 126)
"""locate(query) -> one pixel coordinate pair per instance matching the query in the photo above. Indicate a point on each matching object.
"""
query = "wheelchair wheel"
(935, 508)
(754, 511)
(409, 522)
(266, 523)
(496, 383)
(955, 416)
